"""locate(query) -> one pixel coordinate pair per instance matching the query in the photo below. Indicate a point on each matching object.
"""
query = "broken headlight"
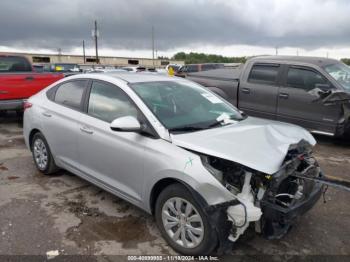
(228, 173)
(215, 172)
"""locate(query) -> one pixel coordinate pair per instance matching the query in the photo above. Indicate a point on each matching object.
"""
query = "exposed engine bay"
(272, 202)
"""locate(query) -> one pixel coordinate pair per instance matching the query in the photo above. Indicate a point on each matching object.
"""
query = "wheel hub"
(40, 154)
(182, 222)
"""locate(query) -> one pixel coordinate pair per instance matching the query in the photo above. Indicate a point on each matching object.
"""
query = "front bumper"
(16, 104)
(277, 220)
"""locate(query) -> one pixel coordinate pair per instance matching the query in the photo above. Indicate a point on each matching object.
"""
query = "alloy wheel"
(40, 154)
(182, 222)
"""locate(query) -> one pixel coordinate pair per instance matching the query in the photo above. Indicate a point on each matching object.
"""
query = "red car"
(19, 81)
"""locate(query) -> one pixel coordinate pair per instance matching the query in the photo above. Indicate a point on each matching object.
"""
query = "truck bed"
(224, 82)
(226, 74)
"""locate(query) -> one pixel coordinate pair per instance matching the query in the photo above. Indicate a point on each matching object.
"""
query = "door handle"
(29, 78)
(86, 130)
(46, 114)
(246, 90)
(284, 95)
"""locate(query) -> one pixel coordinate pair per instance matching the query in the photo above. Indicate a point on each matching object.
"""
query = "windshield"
(341, 73)
(186, 106)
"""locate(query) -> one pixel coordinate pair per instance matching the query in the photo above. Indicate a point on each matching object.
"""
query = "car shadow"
(11, 117)
(328, 140)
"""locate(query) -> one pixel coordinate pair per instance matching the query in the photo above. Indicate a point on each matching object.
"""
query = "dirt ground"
(65, 213)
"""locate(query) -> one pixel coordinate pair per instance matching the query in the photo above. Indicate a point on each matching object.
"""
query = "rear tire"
(182, 222)
(42, 156)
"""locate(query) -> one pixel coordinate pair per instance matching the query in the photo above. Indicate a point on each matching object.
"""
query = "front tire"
(183, 223)
(42, 156)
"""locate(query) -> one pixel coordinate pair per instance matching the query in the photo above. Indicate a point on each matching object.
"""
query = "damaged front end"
(271, 202)
(336, 97)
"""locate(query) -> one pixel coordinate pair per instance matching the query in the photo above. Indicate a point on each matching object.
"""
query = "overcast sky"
(236, 27)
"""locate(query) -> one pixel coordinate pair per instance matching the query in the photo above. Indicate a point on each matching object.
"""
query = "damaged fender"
(335, 97)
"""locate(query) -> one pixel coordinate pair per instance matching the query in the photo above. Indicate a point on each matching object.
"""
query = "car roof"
(137, 77)
(319, 61)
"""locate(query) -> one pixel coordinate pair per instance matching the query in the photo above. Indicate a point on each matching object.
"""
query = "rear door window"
(71, 93)
(304, 78)
(264, 74)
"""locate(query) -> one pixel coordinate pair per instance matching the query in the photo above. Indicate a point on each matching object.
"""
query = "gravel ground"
(65, 213)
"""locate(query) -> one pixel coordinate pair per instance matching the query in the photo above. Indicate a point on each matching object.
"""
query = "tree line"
(198, 58)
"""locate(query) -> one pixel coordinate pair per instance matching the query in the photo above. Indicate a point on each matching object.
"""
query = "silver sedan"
(178, 151)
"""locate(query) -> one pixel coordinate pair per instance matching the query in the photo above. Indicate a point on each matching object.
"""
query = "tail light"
(27, 105)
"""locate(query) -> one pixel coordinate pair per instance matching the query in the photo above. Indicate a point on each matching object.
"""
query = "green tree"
(198, 58)
(345, 60)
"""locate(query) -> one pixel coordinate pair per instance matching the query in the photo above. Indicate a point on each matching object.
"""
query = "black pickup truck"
(308, 91)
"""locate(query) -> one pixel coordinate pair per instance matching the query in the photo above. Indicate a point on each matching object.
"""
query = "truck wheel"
(42, 155)
(183, 223)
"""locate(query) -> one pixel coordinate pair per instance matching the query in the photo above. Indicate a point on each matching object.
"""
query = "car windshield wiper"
(216, 123)
(223, 122)
(186, 129)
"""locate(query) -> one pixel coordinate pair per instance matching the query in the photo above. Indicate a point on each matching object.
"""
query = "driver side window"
(304, 78)
(108, 102)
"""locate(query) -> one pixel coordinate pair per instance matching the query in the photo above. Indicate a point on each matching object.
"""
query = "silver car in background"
(178, 151)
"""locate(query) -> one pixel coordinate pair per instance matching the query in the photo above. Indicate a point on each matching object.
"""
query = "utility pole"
(153, 44)
(84, 51)
(59, 50)
(297, 52)
(276, 50)
(95, 35)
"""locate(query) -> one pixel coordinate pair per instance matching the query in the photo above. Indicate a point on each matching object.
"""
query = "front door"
(113, 159)
(296, 105)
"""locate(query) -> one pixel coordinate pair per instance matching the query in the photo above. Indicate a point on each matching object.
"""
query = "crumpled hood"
(256, 143)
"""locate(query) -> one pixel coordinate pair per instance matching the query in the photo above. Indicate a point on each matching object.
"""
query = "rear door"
(259, 89)
(61, 115)
(296, 105)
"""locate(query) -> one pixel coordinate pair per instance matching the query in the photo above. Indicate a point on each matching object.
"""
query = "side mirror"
(126, 124)
(323, 87)
(244, 115)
